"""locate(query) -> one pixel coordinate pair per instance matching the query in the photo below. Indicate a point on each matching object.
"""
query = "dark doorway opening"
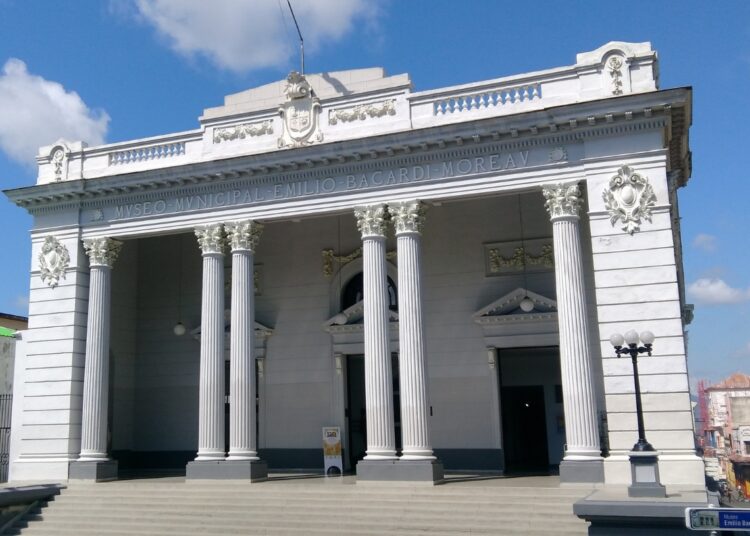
(356, 412)
(524, 429)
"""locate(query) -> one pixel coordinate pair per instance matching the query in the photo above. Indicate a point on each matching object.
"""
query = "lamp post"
(644, 459)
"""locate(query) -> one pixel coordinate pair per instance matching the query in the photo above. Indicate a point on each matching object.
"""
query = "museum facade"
(435, 273)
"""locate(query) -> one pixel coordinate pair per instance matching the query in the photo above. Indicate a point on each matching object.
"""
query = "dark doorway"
(356, 416)
(524, 429)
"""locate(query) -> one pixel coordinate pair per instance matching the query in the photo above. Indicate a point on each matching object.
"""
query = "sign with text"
(717, 519)
(332, 461)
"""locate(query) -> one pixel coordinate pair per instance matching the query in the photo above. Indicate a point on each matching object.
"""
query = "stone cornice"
(558, 125)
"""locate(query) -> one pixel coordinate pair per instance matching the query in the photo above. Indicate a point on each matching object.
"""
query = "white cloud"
(705, 242)
(242, 35)
(36, 112)
(714, 291)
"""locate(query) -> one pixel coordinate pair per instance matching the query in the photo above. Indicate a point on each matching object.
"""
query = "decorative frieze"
(362, 112)
(54, 259)
(102, 251)
(519, 256)
(211, 238)
(300, 115)
(562, 199)
(628, 198)
(245, 130)
(330, 258)
(371, 219)
(243, 235)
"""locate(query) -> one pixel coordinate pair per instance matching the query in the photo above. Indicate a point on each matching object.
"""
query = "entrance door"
(356, 413)
(524, 429)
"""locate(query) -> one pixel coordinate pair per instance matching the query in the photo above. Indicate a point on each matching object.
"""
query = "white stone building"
(437, 273)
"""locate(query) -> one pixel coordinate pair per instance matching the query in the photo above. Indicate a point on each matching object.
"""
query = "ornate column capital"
(562, 200)
(371, 219)
(102, 251)
(211, 238)
(407, 216)
(243, 235)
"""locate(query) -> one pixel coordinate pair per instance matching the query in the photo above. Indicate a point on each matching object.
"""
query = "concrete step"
(142, 508)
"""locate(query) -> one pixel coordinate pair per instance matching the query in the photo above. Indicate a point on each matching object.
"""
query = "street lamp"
(644, 459)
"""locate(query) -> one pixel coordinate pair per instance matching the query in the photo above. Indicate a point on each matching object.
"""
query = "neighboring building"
(727, 436)
(476, 338)
(14, 322)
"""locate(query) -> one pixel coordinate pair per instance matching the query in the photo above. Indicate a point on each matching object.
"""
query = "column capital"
(243, 235)
(563, 200)
(102, 251)
(408, 216)
(371, 219)
(210, 238)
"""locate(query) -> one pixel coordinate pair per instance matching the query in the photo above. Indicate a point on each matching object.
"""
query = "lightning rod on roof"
(301, 41)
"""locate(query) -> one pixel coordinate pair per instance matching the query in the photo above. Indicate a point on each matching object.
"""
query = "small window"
(354, 292)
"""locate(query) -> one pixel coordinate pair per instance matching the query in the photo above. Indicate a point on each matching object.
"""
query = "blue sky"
(112, 70)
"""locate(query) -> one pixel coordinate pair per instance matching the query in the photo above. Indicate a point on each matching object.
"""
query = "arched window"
(353, 293)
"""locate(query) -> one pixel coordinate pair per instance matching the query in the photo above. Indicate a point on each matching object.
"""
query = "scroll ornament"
(54, 259)
(628, 199)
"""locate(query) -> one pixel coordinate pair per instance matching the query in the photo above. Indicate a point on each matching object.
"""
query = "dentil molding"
(102, 251)
(54, 259)
(562, 199)
(629, 198)
(243, 235)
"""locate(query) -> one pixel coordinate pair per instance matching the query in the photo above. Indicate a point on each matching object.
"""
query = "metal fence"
(6, 403)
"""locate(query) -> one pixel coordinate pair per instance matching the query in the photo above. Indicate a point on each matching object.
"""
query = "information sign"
(717, 519)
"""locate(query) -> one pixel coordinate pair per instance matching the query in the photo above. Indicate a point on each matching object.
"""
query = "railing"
(488, 99)
(143, 154)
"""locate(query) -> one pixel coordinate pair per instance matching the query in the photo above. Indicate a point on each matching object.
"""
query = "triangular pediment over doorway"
(509, 308)
(352, 318)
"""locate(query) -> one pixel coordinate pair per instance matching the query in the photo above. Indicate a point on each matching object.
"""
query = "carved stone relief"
(300, 114)
(330, 259)
(54, 259)
(245, 130)
(362, 112)
(629, 198)
(614, 67)
(504, 258)
(59, 160)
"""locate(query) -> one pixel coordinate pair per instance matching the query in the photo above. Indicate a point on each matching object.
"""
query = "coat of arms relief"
(54, 259)
(300, 114)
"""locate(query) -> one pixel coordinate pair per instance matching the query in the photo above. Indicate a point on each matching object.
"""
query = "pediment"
(261, 331)
(508, 308)
(352, 318)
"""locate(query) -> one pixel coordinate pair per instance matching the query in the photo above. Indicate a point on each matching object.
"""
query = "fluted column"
(407, 219)
(243, 237)
(581, 422)
(211, 382)
(102, 253)
(381, 444)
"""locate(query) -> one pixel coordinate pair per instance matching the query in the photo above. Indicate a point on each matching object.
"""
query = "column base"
(95, 471)
(427, 471)
(582, 471)
(252, 470)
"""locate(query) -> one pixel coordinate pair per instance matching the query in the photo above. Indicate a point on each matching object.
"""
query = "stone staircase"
(308, 506)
